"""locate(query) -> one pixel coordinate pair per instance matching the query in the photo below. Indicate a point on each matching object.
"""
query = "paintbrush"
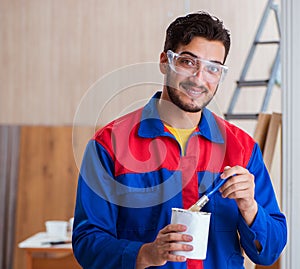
(205, 198)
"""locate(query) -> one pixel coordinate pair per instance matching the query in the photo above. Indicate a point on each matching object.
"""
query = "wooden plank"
(276, 265)
(261, 129)
(272, 145)
(271, 139)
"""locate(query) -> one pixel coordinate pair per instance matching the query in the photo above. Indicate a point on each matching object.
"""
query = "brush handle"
(205, 198)
(219, 185)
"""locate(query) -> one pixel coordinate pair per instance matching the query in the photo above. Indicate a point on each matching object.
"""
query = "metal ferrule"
(202, 201)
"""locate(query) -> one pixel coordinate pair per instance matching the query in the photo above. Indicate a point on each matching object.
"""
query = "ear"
(163, 62)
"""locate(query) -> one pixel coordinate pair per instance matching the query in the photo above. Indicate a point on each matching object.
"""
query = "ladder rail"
(276, 12)
(276, 64)
(271, 81)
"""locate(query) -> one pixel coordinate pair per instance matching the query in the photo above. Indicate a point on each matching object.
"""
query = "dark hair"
(201, 24)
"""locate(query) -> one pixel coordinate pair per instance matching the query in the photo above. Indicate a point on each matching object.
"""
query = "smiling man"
(168, 154)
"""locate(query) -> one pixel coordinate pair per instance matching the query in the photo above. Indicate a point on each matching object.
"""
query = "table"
(41, 244)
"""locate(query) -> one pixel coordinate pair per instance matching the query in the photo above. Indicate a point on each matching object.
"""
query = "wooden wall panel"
(52, 51)
(47, 180)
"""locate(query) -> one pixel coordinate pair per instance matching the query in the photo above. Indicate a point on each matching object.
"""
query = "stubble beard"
(193, 106)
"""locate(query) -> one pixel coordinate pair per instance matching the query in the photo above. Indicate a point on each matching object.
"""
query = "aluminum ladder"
(267, 83)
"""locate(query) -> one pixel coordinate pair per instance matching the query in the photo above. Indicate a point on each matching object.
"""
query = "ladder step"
(252, 83)
(232, 116)
(266, 42)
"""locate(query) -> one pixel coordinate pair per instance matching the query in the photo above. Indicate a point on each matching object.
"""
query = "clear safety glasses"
(188, 65)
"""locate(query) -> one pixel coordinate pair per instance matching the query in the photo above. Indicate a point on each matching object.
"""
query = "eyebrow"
(195, 56)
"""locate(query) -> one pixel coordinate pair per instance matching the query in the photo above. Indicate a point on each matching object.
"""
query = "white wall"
(291, 129)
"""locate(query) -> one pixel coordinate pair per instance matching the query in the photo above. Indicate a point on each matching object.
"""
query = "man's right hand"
(160, 251)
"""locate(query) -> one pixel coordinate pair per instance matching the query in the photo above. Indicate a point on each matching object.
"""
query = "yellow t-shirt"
(181, 135)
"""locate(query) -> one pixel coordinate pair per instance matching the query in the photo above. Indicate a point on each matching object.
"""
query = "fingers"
(173, 228)
(171, 238)
(240, 183)
(238, 187)
(231, 171)
(168, 249)
(173, 233)
(170, 256)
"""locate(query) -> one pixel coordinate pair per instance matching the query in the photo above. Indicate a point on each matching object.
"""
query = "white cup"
(198, 227)
(56, 228)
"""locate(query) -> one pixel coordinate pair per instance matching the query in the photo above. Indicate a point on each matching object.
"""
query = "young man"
(168, 154)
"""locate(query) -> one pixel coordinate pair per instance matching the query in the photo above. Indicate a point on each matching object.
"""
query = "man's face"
(193, 93)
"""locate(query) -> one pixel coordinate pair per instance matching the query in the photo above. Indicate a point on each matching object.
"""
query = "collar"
(151, 125)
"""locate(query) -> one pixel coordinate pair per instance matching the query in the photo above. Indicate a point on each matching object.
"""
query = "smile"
(194, 92)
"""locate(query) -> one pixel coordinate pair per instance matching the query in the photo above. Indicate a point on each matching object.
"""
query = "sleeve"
(95, 241)
(269, 226)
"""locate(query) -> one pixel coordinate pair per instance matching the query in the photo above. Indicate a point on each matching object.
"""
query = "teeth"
(192, 91)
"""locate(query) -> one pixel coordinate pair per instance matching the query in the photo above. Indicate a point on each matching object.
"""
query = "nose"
(199, 74)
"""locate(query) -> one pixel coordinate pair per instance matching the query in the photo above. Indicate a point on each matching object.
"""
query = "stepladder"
(260, 72)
